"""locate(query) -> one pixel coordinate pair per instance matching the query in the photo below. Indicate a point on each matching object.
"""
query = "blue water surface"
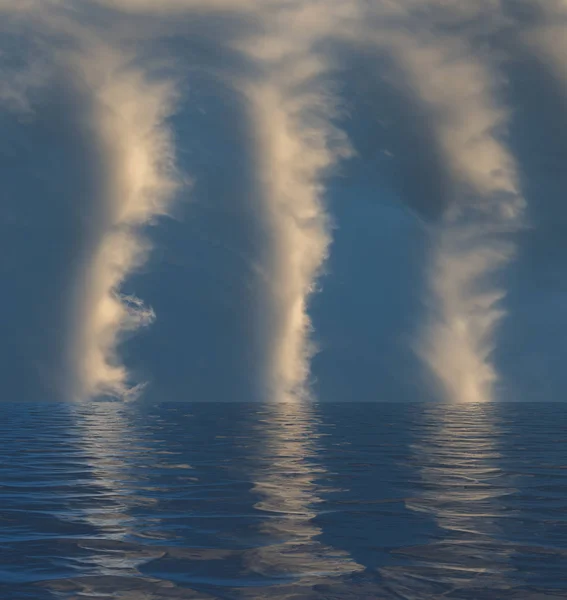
(283, 501)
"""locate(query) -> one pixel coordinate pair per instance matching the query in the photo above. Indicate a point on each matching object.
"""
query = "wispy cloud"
(127, 105)
(128, 122)
(470, 245)
(291, 114)
(456, 87)
(278, 57)
(124, 110)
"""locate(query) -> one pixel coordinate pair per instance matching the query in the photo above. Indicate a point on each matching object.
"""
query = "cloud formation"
(289, 111)
(291, 114)
(124, 109)
(433, 66)
(455, 88)
(128, 124)
(470, 244)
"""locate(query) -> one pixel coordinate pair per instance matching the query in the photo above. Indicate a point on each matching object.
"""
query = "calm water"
(330, 502)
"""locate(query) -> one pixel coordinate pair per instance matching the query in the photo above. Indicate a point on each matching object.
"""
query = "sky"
(278, 200)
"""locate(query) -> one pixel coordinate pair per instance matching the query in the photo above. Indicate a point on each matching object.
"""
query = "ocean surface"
(289, 501)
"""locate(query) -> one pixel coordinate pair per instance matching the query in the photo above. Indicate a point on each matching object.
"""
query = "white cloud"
(128, 124)
(124, 111)
(290, 117)
(457, 88)
(296, 145)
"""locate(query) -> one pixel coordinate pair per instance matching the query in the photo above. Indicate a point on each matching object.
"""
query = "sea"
(294, 501)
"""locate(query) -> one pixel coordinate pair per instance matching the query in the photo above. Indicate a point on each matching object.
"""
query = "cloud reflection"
(462, 487)
(109, 562)
(289, 493)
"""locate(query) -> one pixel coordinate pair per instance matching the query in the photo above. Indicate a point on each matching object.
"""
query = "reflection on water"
(286, 484)
(458, 453)
(283, 501)
(463, 487)
(107, 441)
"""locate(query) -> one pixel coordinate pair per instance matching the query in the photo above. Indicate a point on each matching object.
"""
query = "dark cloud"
(392, 132)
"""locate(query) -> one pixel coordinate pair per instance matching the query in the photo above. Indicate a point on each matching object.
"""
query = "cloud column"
(454, 87)
(471, 242)
(291, 112)
(127, 119)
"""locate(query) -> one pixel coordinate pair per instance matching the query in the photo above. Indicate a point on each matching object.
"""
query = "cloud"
(454, 88)
(281, 77)
(470, 245)
(124, 109)
(126, 106)
(128, 123)
(425, 65)
(291, 112)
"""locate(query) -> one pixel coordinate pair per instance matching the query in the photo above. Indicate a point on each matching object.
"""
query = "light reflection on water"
(289, 494)
(283, 501)
(464, 490)
(110, 447)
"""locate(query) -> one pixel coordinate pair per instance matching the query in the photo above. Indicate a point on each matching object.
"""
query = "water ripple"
(227, 501)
